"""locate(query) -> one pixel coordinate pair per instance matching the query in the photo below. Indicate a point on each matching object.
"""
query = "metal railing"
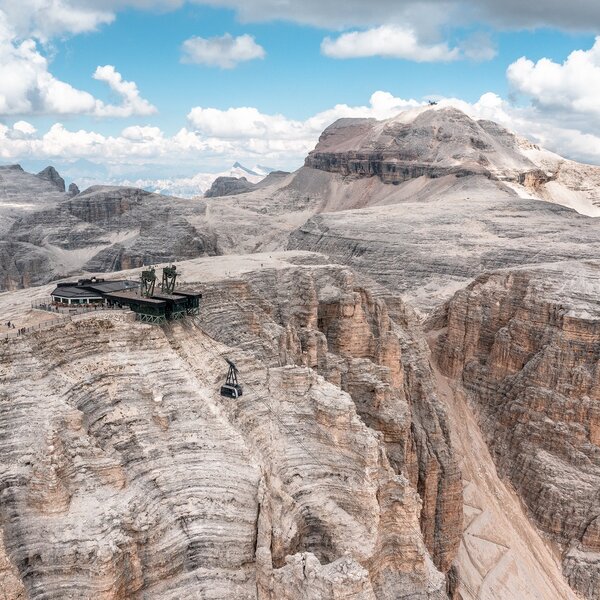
(50, 306)
(21, 331)
(65, 316)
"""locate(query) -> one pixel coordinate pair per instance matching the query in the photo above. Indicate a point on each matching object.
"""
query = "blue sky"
(290, 86)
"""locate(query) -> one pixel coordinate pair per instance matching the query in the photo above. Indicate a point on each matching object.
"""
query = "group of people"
(10, 325)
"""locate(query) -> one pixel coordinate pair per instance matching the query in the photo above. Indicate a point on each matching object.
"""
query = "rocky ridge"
(432, 143)
(100, 229)
(442, 141)
(52, 175)
(426, 251)
(498, 186)
(518, 346)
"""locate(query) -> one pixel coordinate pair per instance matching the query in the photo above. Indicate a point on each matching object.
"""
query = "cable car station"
(149, 305)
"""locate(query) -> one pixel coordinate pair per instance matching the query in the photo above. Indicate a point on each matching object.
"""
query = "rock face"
(369, 346)
(228, 186)
(333, 476)
(469, 189)
(427, 249)
(126, 476)
(431, 143)
(525, 346)
(466, 200)
(52, 175)
(442, 141)
(102, 229)
(73, 189)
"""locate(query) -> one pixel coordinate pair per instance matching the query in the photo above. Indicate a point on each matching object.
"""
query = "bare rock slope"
(418, 143)
(440, 141)
(425, 202)
(228, 186)
(101, 229)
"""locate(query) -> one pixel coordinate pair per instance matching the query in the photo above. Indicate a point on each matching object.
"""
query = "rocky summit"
(414, 317)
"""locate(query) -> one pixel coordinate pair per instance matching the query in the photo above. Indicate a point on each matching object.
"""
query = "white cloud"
(225, 51)
(135, 133)
(217, 138)
(573, 86)
(548, 130)
(582, 15)
(54, 17)
(249, 123)
(132, 103)
(244, 122)
(389, 41)
(28, 87)
(24, 128)
(44, 19)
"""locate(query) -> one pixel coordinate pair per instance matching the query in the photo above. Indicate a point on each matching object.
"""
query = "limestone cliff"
(126, 476)
(431, 143)
(525, 346)
(101, 229)
(368, 344)
(228, 186)
(52, 175)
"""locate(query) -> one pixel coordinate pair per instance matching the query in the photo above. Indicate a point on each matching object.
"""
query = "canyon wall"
(368, 344)
(525, 345)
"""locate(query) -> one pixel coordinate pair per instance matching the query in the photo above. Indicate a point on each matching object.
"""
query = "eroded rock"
(524, 344)
(126, 475)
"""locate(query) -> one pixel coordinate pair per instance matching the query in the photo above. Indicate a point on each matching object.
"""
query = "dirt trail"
(501, 556)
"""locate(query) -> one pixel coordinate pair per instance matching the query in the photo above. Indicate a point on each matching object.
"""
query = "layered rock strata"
(431, 143)
(125, 475)
(369, 345)
(101, 229)
(52, 175)
(525, 345)
(426, 249)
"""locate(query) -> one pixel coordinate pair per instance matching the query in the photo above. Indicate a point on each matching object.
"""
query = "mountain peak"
(52, 175)
(429, 140)
(238, 165)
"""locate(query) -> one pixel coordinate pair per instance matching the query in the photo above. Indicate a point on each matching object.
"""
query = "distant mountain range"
(196, 185)
(86, 173)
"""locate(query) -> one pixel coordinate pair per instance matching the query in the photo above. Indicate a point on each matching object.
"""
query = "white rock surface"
(126, 475)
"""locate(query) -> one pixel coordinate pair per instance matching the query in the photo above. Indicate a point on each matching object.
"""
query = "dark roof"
(68, 291)
(106, 287)
(175, 298)
(130, 297)
(189, 293)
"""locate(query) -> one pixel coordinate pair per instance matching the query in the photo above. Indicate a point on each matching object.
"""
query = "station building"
(88, 291)
(155, 307)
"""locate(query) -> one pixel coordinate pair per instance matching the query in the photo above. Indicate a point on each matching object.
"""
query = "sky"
(134, 90)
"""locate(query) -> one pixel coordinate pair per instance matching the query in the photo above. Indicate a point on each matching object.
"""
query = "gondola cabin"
(231, 388)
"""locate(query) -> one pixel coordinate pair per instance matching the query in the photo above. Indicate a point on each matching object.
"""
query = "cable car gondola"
(231, 388)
